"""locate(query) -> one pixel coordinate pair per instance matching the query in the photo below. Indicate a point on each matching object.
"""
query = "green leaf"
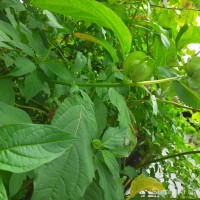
(92, 11)
(104, 43)
(16, 182)
(93, 192)
(12, 115)
(9, 30)
(101, 114)
(115, 137)
(22, 66)
(3, 194)
(7, 93)
(112, 189)
(12, 3)
(27, 146)
(190, 36)
(165, 40)
(111, 162)
(69, 176)
(118, 101)
(52, 20)
(32, 85)
(80, 62)
(56, 67)
(187, 95)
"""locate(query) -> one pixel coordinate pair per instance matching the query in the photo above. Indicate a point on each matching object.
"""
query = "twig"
(167, 157)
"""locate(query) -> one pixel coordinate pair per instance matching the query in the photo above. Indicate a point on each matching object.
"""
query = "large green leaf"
(12, 115)
(69, 176)
(187, 95)
(27, 146)
(92, 11)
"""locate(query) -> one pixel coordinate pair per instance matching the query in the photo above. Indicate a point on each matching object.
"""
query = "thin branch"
(175, 8)
(31, 108)
(106, 84)
(167, 157)
(179, 105)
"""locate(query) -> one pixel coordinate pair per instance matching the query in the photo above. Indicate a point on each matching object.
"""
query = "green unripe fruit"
(192, 68)
(138, 66)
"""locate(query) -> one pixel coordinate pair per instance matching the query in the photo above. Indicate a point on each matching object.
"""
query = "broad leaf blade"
(12, 115)
(92, 11)
(27, 146)
(187, 95)
(74, 170)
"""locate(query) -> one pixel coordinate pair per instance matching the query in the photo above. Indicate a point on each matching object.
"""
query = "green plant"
(83, 118)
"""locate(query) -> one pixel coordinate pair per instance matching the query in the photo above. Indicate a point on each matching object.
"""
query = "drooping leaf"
(142, 183)
(187, 95)
(111, 162)
(32, 85)
(101, 114)
(104, 43)
(12, 115)
(56, 67)
(3, 194)
(16, 4)
(74, 170)
(117, 140)
(92, 11)
(26, 146)
(80, 62)
(190, 36)
(111, 187)
(118, 101)
(16, 182)
(52, 20)
(93, 192)
(7, 93)
(22, 66)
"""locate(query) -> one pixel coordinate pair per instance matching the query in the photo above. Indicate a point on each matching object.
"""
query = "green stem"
(49, 49)
(140, 3)
(167, 157)
(32, 108)
(104, 84)
(179, 105)
(175, 8)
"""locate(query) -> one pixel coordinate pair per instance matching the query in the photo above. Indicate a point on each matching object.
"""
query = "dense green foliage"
(95, 95)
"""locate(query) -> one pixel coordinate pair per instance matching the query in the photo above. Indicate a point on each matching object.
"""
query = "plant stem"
(32, 108)
(106, 84)
(175, 8)
(167, 157)
(179, 105)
